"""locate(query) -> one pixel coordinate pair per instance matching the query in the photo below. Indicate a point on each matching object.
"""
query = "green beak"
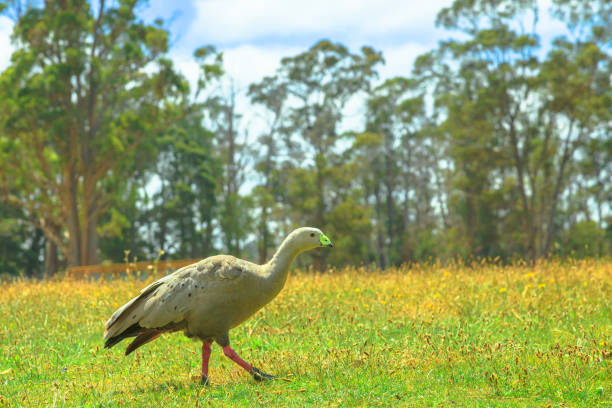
(325, 241)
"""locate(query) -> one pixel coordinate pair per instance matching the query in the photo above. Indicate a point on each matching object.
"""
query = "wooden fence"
(116, 269)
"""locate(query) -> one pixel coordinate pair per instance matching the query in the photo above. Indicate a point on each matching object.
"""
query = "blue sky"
(255, 35)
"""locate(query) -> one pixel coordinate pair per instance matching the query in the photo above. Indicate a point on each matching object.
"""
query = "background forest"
(494, 145)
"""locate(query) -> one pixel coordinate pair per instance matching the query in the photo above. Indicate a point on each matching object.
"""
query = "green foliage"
(585, 239)
(587, 17)
(186, 203)
(510, 119)
(121, 229)
(307, 96)
(351, 224)
(84, 92)
(232, 147)
(20, 244)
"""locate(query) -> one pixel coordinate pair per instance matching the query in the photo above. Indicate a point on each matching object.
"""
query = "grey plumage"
(208, 298)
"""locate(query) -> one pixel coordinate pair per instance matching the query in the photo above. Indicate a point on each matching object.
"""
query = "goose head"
(306, 238)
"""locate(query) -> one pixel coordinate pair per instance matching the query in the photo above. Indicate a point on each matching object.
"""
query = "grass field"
(483, 335)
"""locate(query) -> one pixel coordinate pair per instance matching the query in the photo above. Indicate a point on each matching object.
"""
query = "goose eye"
(312, 234)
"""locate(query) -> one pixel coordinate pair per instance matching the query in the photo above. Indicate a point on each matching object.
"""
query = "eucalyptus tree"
(224, 119)
(169, 203)
(84, 93)
(269, 193)
(382, 147)
(515, 122)
(14, 9)
(583, 96)
(402, 168)
(180, 217)
(319, 83)
(577, 76)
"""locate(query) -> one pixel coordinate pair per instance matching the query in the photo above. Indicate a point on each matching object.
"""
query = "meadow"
(481, 335)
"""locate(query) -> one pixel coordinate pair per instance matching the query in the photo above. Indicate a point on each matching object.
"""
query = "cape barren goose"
(209, 298)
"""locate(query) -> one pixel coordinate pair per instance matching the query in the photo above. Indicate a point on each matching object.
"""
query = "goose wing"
(170, 299)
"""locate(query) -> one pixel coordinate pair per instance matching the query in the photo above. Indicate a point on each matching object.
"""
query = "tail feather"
(130, 312)
(125, 322)
(143, 335)
(132, 331)
(142, 339)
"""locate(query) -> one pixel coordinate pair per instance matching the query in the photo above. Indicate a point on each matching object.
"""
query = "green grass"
(478, 336)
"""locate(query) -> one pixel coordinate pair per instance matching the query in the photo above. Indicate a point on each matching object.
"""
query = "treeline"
(495, 145)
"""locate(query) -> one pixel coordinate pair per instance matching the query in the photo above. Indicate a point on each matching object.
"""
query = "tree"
(170, 204)
(185, 204)
(14, 9)
(577, 76)
(530, 118)
(21, 245)
(83, 93)
(122, 228)
(272, 95)
(586, 19)
(224, 121)
(319, 83)
(382, 119)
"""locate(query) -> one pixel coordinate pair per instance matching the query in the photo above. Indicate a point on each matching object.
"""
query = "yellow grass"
(456, 335)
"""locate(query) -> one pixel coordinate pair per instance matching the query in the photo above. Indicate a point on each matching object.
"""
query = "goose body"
(209, 298)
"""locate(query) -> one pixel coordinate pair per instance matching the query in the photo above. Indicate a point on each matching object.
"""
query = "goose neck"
(282, 260)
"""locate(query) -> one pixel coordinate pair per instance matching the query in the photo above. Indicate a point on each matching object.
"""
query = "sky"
(255, 35)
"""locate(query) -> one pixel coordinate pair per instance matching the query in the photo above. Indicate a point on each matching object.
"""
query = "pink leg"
(205, 358)
(227, 350)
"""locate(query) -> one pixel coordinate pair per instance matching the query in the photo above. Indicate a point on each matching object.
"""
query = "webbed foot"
(259, 375)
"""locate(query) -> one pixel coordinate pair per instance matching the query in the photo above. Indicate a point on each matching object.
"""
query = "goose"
(209, 298)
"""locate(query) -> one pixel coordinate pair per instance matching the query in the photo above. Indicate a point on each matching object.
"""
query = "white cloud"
(548, 27)
(255, 35)
(234, 21)
(244, 65)
(6, 48)
(250, 63)
(400, 58)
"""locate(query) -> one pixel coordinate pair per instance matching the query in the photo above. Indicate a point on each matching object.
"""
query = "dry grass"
(483, 335)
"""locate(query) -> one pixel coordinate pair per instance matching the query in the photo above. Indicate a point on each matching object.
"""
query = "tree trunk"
(263, 231)
(90, 244)
(231, 189)
(390, 184)
(51, 259)
(380, 240)
(567, 153)
(519, 164)
(51, 233)
(320, 257)
(439, 195)
(74, 236)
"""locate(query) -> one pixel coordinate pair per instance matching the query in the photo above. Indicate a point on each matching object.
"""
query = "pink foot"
(257, 374)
